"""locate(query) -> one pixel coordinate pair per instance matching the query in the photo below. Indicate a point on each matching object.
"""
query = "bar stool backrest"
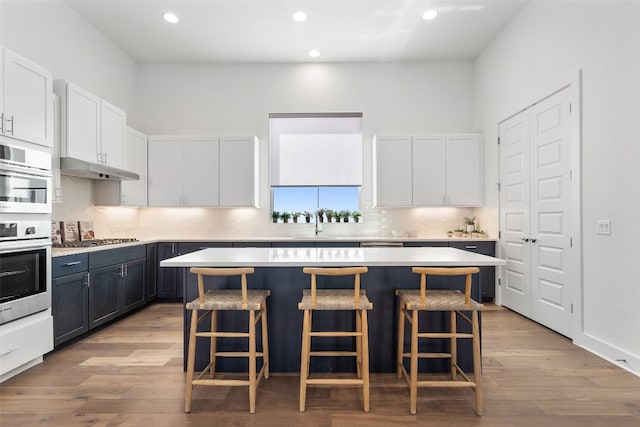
(444, 271)
(338, 271)
(208, 271)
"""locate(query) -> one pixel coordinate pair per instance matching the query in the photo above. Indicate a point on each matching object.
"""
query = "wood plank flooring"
(130, 374)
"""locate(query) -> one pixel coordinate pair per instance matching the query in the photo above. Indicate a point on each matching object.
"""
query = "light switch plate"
(604, 226)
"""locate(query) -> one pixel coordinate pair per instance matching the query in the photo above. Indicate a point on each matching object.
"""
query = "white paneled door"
(536, 200)
(515, 209)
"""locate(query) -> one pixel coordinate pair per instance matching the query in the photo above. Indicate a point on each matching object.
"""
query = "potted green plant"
(295, 216)
(285, 217)
(458, 232)
(275, 216)
(307, 216)
(329, 214)
(450, 233)
(344, 214)
(470, 223)
(481, 234)
(356, 216)
(320, 214)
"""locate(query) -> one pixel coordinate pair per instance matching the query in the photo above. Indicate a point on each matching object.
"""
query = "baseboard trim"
(611, 353)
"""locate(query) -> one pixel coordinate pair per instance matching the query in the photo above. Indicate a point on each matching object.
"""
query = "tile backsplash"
(212, 223)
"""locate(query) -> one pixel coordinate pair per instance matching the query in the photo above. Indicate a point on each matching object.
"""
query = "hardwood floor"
(130, 374)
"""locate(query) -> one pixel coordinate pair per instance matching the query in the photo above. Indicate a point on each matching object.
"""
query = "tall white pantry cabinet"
(206, 171)
(428, 170)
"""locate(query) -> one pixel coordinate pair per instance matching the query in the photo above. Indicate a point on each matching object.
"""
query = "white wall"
(546, 44)
(405, 98)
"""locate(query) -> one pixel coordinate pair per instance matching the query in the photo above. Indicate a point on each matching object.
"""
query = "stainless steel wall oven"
(25, 231)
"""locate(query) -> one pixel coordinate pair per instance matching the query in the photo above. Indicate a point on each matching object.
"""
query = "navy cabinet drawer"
(116, 256)
(484, 248)
(69, 264)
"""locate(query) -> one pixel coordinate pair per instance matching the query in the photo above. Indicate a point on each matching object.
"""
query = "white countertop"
(56, 252)
(331, 257)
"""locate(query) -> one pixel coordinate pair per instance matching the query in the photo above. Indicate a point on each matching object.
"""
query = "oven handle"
(13, 273)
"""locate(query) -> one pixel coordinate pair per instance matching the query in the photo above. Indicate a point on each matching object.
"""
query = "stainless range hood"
(83, 169)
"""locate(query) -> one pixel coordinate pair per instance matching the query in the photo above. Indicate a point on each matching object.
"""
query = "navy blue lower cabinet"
(285, 321)
(487, 274)
(69, 306)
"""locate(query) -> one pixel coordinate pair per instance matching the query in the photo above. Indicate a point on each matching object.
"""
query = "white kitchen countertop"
(56, 252)
(331, 257)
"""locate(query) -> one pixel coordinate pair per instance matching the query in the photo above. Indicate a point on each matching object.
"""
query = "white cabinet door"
(134, 193)
(464, 170)
(26, 89)
(429, 170)
(201, 179)
(113, 130)
(393, 170)
(238, 172)
(81, 133)
(165, 171)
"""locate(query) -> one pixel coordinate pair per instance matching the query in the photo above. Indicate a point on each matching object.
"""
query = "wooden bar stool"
(252, 301)
(336, 299)
(412, 301)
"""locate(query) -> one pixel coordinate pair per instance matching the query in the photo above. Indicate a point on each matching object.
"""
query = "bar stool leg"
(359, 366)
(304, 363)
(477, 362)
(252, 361)
(454, 345)
(365, 359)
(400, 357)
(191, 360)
(414, 362)
(265, 343)
(214, 343)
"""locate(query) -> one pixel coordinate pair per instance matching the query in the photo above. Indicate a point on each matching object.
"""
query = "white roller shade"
(316, 151)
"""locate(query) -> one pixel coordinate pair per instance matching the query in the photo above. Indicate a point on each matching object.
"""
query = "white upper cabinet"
(113, 134)
(92, 129)
(166, 170)
(25, 100)
(428, 170)
(200, 173)
(393, 170)
(127, 192)
(239, 171)
(464, 170)
(205, 171)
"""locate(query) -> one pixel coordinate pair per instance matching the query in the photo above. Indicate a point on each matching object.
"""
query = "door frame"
(573, 82)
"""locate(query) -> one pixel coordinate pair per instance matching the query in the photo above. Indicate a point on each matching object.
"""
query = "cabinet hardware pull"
(87, 280)
(13, 126)
(11, 350)
(69, 264)
(471, 247)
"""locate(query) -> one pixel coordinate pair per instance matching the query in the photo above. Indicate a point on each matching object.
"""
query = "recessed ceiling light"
(299, 16)
(430, 14)
(314, 53)
(170, 17)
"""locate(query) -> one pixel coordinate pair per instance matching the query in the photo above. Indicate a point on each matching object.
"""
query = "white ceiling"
(264, 31)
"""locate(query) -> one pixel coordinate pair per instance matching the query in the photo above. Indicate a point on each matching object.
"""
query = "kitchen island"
(280, 270)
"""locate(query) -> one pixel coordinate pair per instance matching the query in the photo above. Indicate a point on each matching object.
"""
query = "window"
(315, 162)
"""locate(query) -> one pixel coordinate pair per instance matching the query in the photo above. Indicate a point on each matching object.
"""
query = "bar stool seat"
(354, 299)
(252, 301)
(457, 304)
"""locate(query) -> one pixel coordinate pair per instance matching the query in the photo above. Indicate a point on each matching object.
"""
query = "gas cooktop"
(91, 243)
